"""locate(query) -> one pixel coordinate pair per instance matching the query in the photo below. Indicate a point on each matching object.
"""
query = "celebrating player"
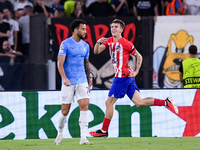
(73, 55)
(124, 81)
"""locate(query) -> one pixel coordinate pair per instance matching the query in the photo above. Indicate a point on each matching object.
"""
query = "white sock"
(103, 131)
(61, 122)
(83, 123)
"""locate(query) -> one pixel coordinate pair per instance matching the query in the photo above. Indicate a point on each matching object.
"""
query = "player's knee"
(65, 112)
(84, 106)
(108, 103)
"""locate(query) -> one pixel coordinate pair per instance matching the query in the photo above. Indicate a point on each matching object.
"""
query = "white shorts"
(79, 90)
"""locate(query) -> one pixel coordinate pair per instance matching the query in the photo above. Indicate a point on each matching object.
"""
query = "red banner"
(96, 28)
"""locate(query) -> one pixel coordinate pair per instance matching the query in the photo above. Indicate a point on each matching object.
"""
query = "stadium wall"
(34, 115)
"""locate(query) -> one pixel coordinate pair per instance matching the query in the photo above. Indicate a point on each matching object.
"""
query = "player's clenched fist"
(102, 40)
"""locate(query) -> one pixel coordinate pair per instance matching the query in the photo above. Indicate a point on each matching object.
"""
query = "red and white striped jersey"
(120, 52)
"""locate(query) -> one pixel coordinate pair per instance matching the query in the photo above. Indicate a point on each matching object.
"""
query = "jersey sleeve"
(132, 48)
(62, 49)
(16, 26)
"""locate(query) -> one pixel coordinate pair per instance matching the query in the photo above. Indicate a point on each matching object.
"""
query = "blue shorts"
(122, 86)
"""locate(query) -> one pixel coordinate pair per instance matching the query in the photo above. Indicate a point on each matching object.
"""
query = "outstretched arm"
(18, 53)
(98, 48)
(138, 65)
(7, 54)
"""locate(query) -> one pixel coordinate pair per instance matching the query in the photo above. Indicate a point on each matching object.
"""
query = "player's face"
(82, 31)
(116, 29)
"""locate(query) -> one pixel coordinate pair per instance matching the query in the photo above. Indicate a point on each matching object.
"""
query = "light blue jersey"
(75, 53)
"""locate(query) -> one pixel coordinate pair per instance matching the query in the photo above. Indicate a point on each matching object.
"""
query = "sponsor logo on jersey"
(61, 49)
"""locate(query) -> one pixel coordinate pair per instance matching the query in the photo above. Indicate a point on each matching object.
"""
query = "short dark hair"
(122, 24)
(7, 9)
(75, 24)
(61, 12)
(29, 8)
(193, 49)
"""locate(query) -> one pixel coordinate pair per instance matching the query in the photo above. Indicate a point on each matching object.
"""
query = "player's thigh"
(67, 94)
(82, 95)
(82, 91)
(136, 99)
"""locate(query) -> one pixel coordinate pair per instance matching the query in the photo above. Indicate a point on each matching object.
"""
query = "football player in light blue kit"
(73, 66)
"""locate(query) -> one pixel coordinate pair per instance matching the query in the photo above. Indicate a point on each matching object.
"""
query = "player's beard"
(81, 36)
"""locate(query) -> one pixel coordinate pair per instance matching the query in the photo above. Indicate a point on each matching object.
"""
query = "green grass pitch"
(142, 143)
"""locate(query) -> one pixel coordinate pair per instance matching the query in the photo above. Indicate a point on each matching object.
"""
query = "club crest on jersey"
(117, 48)
(84, 48)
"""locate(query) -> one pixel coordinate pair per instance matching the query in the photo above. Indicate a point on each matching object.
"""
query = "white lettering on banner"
(164, 122)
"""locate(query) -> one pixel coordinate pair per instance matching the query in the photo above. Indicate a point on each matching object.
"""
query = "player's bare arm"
(7, 34)
(138, 65)
(60, 62)
(139, 61)
(18, 53)
(99, 47)
(87, 69)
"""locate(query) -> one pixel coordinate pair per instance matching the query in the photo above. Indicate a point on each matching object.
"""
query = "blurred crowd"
(15, 14)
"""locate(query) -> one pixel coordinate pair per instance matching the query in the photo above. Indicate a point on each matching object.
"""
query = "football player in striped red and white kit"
(124, 81)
